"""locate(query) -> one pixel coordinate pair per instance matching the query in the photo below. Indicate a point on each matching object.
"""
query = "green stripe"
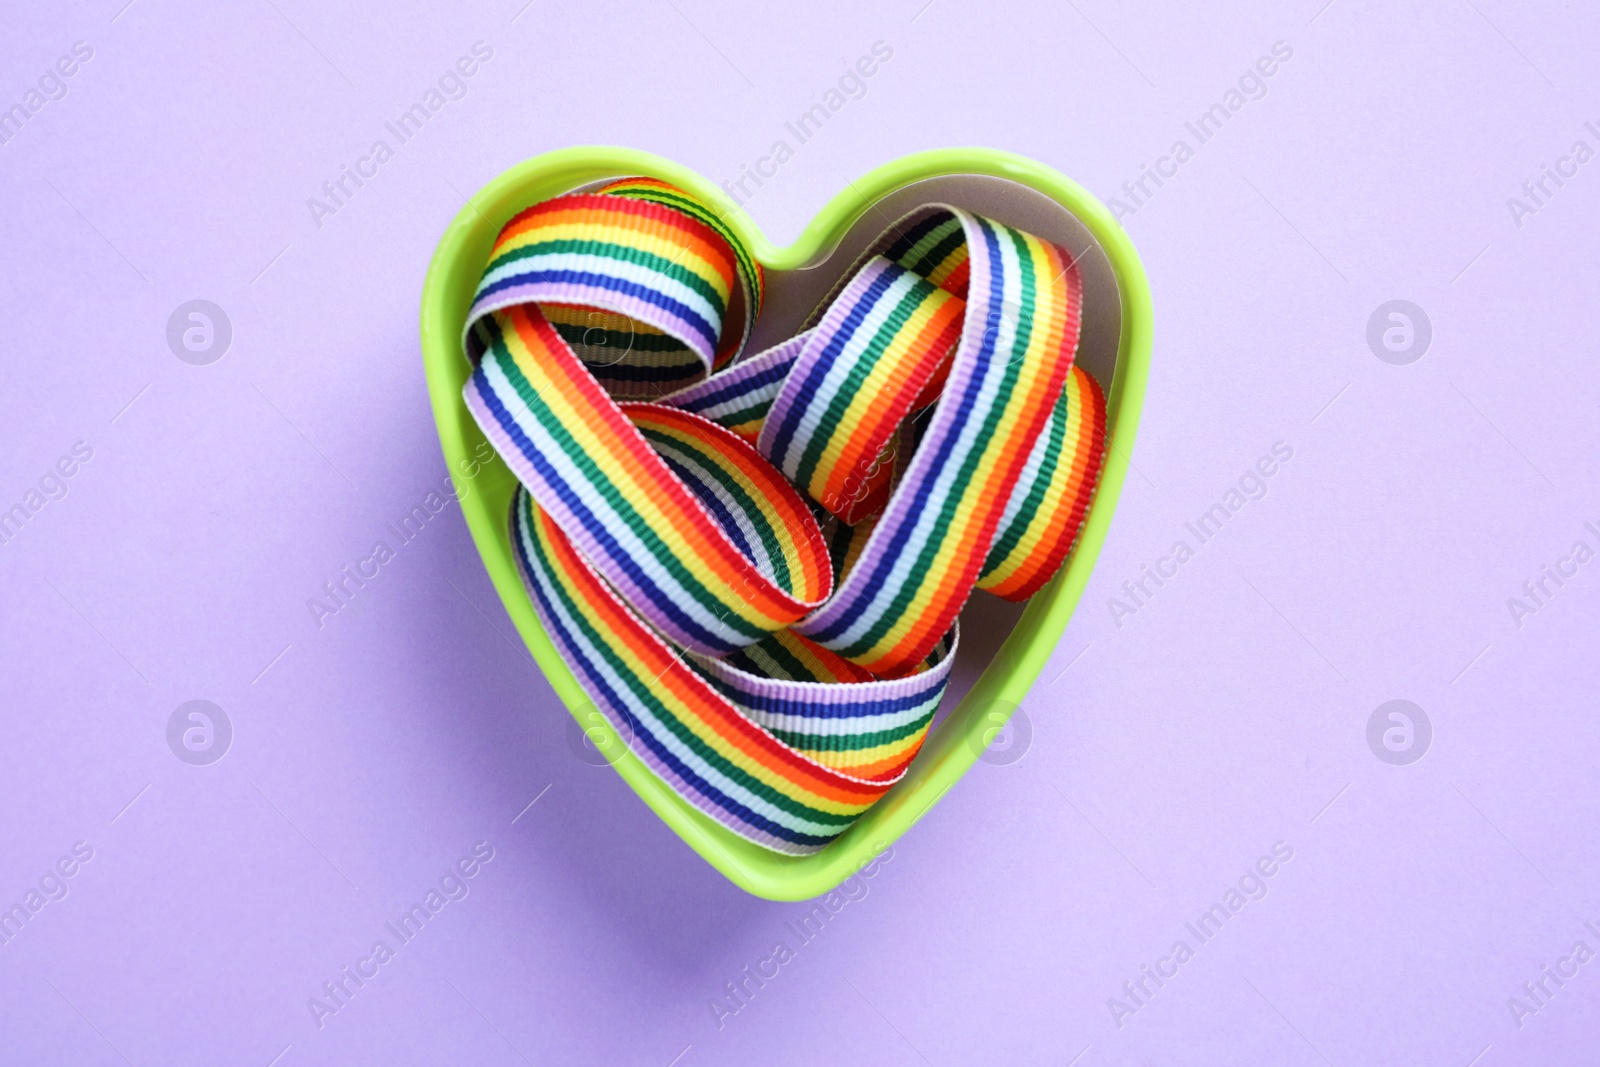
(756, 411)
(623, 254)
(921, 569)
(624, 510)
(935, 247)
(1012, 535)
(740, 660)
(755, 660)
(743, 501)
(850, 391)
(644, 693)
(792, 667)
(664, 376)
(695, 209)
(852, 742)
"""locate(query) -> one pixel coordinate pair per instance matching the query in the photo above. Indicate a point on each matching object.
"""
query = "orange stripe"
(723, 720)
(1068, 497)
(954, 587)
(794, 518)
(626, 216)
(881, 416)
(651, 477)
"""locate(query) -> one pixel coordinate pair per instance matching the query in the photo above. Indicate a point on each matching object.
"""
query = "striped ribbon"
(754, 562)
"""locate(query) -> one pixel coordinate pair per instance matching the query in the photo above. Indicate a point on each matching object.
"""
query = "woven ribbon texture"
(753, 562)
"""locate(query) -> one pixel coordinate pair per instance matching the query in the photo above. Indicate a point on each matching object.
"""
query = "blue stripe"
(605, 281)
(739, 390)
(615, 551)
(825, 361)
(822, 713)
(598, 686)
(891, 554)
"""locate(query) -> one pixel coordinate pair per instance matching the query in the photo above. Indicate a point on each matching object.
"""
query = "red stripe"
(726, 720)
(623, 441)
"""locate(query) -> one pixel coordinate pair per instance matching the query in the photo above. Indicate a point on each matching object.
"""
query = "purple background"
(1168, 753)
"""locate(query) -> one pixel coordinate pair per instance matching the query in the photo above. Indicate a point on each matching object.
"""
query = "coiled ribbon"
(753, 563)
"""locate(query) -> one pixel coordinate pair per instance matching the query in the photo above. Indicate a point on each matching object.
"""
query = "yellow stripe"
(611, 233)
(892, 360)
(1048, 322)
(639, 490)
(848, 761)
(949, 264)
(1065, 477)
(708, 732)
(787, 544)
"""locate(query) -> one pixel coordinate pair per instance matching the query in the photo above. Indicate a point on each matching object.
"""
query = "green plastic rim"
(486, 498)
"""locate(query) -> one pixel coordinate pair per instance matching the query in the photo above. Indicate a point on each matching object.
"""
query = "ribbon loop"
(854, 380)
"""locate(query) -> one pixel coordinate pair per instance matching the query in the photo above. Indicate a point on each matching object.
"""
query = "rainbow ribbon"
(754, 562)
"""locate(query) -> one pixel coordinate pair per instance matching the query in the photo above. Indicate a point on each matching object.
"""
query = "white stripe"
(701, 470)
(942, 481)
(864, 724)
(688, 397)
(584, 488)
(836, 378)
(1030, 475)
(657, 729)
(588, 263)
